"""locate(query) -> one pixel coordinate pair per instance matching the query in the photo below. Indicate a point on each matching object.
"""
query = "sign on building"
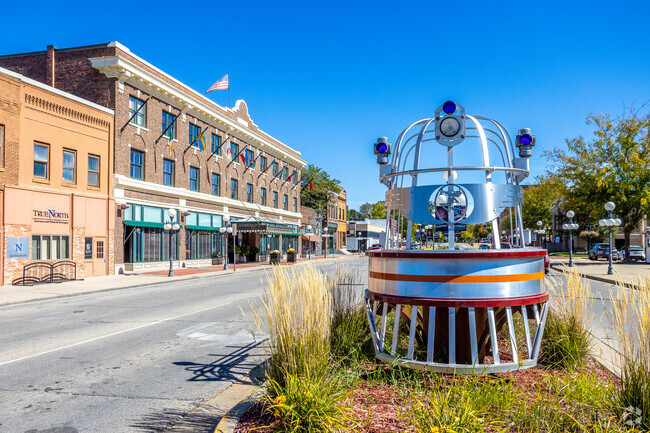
(18, 248)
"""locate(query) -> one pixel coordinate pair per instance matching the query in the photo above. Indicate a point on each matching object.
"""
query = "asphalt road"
(128, 360)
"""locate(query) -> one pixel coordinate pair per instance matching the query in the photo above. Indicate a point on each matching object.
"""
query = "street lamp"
(309, 228)
(540, 232)
(226, 228)
(610, 222)
(171, 226)
(570, 226)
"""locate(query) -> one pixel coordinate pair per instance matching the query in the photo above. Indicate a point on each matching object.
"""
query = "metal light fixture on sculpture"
(442, 310)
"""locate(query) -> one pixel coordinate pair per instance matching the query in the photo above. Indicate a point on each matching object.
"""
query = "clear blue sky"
(327, 78)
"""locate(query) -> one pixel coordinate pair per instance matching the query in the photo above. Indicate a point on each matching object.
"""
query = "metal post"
(171, 262)
(610, 269)
(570, 248)
(225, 261)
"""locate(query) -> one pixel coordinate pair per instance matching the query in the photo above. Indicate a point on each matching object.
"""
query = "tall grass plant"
(630, 318)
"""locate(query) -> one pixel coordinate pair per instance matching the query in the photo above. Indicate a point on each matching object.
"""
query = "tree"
(378, 210)
(365, 210)
(612, 166)
(318, 198)
(539, 200)
(354, 215)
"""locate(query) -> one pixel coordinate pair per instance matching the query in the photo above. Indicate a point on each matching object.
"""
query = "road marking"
(113, 334)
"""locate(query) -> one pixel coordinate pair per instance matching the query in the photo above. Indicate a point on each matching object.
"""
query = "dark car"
(484, 247)
(601, 251)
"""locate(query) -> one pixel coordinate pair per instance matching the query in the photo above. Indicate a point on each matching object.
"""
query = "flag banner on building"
(222, 84)
(311, 186)
(243, 158)
(171, 146)
(228, 153)
(202, 141)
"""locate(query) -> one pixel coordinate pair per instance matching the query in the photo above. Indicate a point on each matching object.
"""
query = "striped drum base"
(457, 336)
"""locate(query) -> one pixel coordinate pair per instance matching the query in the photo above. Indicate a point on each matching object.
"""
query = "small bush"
(567, 342)
(308, 405)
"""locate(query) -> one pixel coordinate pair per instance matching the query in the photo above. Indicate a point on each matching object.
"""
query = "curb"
(559, 268)
(231, 419)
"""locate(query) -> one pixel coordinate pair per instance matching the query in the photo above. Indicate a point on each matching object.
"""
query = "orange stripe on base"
(457, 278)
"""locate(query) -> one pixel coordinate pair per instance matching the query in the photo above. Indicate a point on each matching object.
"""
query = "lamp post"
(359, 241)
(309, 229)
(540, 232)
(570, 226)
(171, 226)
(610, 222)
(224, 230)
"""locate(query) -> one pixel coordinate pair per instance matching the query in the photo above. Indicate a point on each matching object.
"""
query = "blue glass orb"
(382, 147)
(449, 107)
(526, 139)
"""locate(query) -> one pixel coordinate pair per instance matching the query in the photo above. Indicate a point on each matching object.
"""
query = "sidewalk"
(627, 272)
(15, 294)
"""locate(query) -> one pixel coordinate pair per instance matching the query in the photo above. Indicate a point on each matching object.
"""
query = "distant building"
(364, 234)
(336, 221)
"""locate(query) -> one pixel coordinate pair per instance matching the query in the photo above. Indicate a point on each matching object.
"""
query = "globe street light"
(309, 229)
(226, 228)
(610, 222)
(171, 226)
(570, 226)
(540, 232)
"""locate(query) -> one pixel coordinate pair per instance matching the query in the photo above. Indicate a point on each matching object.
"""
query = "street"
(128, 360)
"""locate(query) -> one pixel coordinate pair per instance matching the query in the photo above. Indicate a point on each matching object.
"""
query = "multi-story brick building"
(236, 171)
(336, 222)
(56, 162)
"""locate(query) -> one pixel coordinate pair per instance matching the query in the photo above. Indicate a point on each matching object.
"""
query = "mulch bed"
(377, 408)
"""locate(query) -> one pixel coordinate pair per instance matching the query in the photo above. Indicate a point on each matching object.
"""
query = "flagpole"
(229, 89)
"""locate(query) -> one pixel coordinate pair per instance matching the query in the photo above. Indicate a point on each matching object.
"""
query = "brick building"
(336, 221)
(56, 162)
(237, 171)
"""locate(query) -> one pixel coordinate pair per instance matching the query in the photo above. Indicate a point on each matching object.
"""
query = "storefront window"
(47, 247)
(289, 242)
(200, 244)
(149, 244)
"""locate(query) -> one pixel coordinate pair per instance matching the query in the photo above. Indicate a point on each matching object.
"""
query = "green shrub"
(308, 405)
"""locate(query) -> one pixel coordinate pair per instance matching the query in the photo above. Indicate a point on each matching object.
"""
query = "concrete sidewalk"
(16, 294)
(626, 272)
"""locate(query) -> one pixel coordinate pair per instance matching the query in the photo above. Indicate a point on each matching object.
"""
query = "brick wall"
(10, 106)
(77, 249)
(13, 268)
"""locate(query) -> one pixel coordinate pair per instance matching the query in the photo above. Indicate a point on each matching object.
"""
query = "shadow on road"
(229, 367)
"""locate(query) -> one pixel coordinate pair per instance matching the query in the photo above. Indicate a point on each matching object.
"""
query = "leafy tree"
(612, 166)
(354, 215)
(378, 210)
(365, 211)
(318, 198)
(539, 200)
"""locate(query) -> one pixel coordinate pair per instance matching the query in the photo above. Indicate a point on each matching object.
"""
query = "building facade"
(176, 149)
(56, 163)
(335, 223)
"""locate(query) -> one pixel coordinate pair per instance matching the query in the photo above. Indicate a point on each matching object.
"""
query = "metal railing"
(46, 272)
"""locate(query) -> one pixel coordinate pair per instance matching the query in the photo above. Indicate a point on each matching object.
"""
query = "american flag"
(221, 84)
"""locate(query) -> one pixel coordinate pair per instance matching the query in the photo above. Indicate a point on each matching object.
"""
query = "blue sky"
(327, 78)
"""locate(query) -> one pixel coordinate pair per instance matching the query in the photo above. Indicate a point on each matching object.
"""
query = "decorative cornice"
(193, 103)
(65, 113)
(128, 183)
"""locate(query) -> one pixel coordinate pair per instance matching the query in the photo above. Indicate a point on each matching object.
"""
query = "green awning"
(144, 224)
(205, 228)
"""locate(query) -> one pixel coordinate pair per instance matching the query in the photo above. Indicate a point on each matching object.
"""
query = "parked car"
(375, 247)
(547, 263)
(636, 253)
(601, 251)
(484, 247)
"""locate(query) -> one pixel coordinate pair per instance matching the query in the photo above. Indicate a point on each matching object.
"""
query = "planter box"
(291, 257)
(217, 261)
(275, 259)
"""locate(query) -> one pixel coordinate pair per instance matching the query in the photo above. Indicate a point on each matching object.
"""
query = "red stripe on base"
(459, 303)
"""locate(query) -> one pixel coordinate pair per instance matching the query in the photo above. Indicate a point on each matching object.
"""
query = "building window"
(263, 196)
(69, 165)
(262, 163)
(45, 247)
(249, 192)
(202, 244)
(295, 177)
(295, 204)
(167, 119)
(168, 172)
(139, 119)
(195, 131)
(100, 249)
(233, 189)
(149, 244)
(275, 199)
(248, 156)
(234, 150)
(285, 202)
(215, 146)
(216, 184)
(41, 158)
(2, 145)
(137, 164)
(93, 170)
(194, 179)
(274, 168)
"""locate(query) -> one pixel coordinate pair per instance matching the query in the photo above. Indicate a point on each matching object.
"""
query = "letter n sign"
(17, 248)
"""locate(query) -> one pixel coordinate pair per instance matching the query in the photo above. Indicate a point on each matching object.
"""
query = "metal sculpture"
(454, 310)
